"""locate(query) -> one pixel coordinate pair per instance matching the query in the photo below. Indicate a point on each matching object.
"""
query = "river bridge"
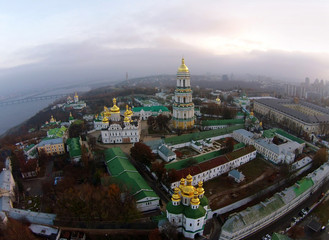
(31, 99)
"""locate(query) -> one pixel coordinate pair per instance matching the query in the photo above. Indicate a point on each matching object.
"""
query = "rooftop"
(320, 114)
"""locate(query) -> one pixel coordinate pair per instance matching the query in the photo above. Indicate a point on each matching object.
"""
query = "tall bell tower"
(183, 107)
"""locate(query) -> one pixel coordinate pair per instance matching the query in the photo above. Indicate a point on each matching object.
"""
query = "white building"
(116, 128)
(277, 154)
(215, 167)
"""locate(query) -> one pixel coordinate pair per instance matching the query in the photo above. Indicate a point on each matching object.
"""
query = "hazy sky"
(44, 43)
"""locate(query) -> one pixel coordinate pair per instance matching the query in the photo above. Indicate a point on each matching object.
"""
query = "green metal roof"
(302, 186)
(201, 135)
(125, 173)
(194, 213)
(57, 132)
(222, 122)
(289, 136)
(74, 147)
(152, 109)
(175, 209)
(277, 236)
(204, 201)
(180, 164)
(238, 221)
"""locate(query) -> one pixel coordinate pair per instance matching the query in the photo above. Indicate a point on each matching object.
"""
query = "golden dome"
(252, 113)
(218, 99)
(175, 197)
(189, 179)
(195, 200)
(261, 124)
(52, 119)
(126, 114)
(200, 188)
(76, 95)
(130, 112)
(115, 108)
(187, 190)
(126, 119)
(183, 67)
(105, 120)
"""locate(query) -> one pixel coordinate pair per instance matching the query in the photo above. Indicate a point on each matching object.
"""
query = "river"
(15, 114)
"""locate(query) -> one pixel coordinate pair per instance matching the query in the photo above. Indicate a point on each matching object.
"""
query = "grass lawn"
(254, 168)
(229, 191)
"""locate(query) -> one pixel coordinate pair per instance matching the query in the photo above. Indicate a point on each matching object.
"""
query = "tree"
(84, 155)
(16, 230)
(150, 120)
(320, 157)
(162, 121)
(159, 169)
(92, 142)
(229, 99)
(77, 128)
(229, 145)
(86, 202)
(142, 153)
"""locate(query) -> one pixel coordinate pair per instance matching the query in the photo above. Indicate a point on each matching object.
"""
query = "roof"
(314, 225)
(287, 106)
(278, 236)
(166, 151)
(57, 132)
(302, 186)
(200, 135)
(152, 109)
(236, 174)
(249, 216)
(174, 209)
(194, 213)
(50, 141)
(241, 152)
(125, 173)
(222, 122)
(74, 147)
(180, 164)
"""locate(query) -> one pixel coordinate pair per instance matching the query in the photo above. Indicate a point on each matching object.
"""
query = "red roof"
(215, 162)
(193, 170)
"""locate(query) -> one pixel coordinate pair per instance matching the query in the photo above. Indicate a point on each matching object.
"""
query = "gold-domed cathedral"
(188, 209)
(183, 107)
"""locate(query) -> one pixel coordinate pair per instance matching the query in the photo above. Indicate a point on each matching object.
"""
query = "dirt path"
(223, 197)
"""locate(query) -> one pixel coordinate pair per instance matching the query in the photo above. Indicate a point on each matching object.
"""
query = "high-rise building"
(183, 107)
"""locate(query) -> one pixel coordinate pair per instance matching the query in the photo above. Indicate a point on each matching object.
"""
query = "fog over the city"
(47, 43)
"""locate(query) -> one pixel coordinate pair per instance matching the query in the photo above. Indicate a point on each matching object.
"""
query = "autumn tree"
(89, 203)
(159, 169)
(92, 142)
(16, 230)
(320, 157)
(77, 129)
(84, 155)
(142, 153)
(162, 121)
(229, 145)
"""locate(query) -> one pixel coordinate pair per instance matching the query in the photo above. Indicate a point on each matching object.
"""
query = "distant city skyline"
(53, 42)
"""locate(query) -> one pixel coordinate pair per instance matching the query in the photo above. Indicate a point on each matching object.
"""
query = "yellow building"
(183, 107)
(52, 146)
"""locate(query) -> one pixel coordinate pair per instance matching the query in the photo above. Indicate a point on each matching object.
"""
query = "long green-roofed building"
(74, 149)
(145, 112)
(242, 224)
(127, 176)
(220, 123)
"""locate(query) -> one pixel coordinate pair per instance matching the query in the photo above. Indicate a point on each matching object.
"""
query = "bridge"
(32, 99)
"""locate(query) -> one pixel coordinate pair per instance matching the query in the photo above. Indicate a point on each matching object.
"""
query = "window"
(190, 224)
